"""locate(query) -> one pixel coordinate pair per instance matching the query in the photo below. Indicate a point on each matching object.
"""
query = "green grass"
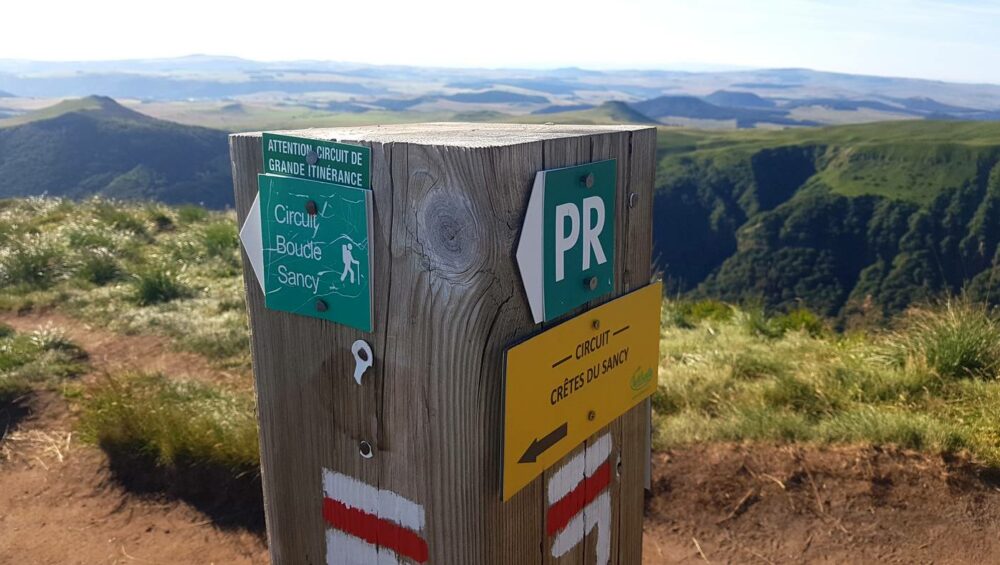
(133, 268)
(932, 383)
(954, 341)
(728, 373)
(157, 285)
(174, 423)
(36, 359)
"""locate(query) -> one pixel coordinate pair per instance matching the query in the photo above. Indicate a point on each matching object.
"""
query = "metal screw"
(588, 180)
(632, 199)
(312, 157)
(321, 305)
(366, 449)
(591, 415)
(591, 283)
(311, 207)
(597, 324)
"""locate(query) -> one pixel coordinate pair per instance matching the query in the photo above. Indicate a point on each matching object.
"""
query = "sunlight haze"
(936, 39)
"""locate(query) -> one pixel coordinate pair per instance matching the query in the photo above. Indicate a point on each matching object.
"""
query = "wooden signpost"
(405, 464)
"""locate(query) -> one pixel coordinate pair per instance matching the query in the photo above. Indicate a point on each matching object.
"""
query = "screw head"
(366, 449)
(311, 157)
(591, 283)
(311, 207)
(592, 415)
(596, 324)
(587, 180)
(321, 305)
(633, 198)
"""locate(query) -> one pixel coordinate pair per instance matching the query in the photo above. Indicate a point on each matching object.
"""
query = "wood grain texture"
(638, 269)
(449, 200)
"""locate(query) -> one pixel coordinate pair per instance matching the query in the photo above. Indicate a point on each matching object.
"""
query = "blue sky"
(938, 39)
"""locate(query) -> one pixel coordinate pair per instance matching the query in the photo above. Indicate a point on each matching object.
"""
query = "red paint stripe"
(565, 508)
(374, 530)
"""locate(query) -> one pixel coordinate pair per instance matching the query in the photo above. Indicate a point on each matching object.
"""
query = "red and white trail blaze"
(579, 501)
(366, 525)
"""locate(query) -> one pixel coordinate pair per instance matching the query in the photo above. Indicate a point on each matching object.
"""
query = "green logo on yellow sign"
(641, 378)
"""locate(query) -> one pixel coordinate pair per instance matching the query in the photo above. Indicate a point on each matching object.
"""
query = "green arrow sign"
(317, 258)
(567, 248)
(313, 159)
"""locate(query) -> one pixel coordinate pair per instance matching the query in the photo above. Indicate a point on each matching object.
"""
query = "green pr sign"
(317, 258)
(313, 159)
(567, 248)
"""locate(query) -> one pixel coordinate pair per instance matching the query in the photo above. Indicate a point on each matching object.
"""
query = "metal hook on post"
(363, 358)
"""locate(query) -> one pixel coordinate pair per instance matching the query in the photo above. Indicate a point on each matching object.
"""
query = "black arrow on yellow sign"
(539, 446)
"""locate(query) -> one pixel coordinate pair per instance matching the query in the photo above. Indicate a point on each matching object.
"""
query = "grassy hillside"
(666, 107)
(96, 146)
(250, 116)
(606, 113)
(883, 214)
(842, 218)
(931, 383)
(105, 107)
(135, 268)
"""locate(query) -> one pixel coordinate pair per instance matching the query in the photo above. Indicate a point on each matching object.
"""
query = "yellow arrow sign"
(565, 384)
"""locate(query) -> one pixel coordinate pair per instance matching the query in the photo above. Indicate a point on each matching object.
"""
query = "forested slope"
(858, 218)
(93, 145)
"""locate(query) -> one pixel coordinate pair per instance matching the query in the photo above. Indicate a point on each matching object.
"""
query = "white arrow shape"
(529, 249)
(590, 466)
(597, 514)
(253, 240)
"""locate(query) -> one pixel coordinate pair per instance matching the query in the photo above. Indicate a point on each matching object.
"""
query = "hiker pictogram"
(349, 262)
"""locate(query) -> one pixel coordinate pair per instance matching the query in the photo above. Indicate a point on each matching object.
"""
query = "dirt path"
(711, 504)
(768, 504)
(58, 501)
(58, 505)
(111, 352)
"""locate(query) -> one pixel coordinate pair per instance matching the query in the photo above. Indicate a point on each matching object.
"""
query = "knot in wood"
(450, 233)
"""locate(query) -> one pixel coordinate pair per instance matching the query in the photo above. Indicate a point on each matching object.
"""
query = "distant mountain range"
(848, 220)
(747, 110)
(96, 146)
(748, 98)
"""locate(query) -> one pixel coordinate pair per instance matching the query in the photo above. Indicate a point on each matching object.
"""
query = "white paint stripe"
(569, 536)
(582, 465)
(350, 491)
(597, 514)
(344, 549)
(382, 503)
(597, 453)
(563, 481)
(393, 507)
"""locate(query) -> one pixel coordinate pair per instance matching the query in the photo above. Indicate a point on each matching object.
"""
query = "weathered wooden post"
(405, 462)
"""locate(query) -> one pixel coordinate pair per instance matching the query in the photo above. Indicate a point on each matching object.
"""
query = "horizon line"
(679, 67)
